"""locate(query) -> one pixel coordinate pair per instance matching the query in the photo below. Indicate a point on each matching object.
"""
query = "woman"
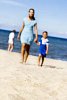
(26, 33)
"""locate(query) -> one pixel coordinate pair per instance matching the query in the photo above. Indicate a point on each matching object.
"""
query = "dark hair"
(46, 33)
(33, 12)
(32, 9)
(14, 31)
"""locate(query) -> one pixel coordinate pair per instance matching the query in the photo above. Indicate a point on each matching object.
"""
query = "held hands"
(36, 40)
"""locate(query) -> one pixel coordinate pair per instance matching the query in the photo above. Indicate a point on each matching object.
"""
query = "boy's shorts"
(44, 55)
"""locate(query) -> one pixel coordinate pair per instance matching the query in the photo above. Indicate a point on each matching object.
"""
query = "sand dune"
(30, 82)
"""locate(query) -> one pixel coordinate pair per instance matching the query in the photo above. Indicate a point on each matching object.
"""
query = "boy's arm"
(38, 43)
(46, 49)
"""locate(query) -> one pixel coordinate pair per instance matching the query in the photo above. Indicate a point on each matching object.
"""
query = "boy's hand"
(46, 52)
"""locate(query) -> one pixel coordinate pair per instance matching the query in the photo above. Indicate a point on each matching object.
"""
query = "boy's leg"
(42, 60)
(23, 51)
(9, 47)
(12, 46)
(27, 49)
(39, 58)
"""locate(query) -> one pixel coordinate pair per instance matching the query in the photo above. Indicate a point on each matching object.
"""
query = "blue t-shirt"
(43, 43)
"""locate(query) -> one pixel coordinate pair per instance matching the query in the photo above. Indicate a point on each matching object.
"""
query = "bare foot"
(21, 62)
(38, 64)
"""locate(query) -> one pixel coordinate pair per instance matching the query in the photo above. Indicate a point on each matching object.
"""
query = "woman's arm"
(36, 33)
(20, 31)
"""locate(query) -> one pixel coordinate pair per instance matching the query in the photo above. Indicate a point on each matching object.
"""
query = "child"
(11, 41)
(43, 50)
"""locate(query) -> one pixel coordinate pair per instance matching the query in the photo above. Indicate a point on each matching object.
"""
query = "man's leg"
(12, 46)
(8, 47)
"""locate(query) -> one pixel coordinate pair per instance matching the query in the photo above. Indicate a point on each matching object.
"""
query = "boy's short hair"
(45, 32)
(14, 31)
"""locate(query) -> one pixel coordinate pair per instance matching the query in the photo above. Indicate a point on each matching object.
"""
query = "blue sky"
(51, 15)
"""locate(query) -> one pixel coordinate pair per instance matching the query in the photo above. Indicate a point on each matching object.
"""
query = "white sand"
(30, 82)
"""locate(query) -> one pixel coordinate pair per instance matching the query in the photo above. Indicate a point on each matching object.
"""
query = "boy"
(43, 49)
(11, 41)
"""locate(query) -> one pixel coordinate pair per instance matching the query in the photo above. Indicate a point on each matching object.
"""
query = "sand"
(29, 81)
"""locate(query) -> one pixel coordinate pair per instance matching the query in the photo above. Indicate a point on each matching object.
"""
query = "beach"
(29, 81)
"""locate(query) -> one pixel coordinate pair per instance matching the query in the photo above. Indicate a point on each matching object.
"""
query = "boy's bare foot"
(38, 64)
(21, 61)
(41, 65)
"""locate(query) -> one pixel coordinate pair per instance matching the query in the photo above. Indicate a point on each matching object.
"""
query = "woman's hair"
(33, 12)
(32, 9)
(46, 33)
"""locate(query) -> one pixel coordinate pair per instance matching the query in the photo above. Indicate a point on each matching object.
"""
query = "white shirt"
(11, 37)
(45, 41)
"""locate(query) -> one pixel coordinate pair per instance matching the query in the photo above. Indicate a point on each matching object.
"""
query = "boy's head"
(45, 34)
(14, 31)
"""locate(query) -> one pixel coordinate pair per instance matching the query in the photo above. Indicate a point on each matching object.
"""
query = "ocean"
(57, 46)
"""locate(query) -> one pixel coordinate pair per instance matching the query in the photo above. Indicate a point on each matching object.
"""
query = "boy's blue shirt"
(43, 42)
